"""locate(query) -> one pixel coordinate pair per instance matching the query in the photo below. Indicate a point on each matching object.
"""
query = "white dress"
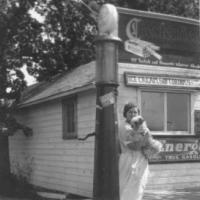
(133, 168)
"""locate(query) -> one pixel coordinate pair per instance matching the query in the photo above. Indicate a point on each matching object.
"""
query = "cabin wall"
(48, 161)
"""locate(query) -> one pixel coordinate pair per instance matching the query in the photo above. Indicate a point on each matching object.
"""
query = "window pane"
(69, 114)
(153, 110)
(70, 117)
(177, 112)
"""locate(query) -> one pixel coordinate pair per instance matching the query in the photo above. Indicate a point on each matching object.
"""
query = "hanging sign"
(107, 99)
(134, 48)
(141, 48)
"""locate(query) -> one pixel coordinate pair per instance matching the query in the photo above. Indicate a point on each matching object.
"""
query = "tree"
(13, 15)
(184, 8)
(63, 42)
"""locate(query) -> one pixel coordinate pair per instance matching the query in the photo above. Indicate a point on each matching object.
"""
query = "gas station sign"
(178, 149)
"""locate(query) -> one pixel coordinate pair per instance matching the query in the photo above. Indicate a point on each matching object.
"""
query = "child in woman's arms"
(149, 145)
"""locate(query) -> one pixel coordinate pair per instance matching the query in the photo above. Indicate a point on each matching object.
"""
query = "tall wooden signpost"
(106, 175)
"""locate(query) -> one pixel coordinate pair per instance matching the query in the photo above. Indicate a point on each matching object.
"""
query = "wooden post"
(106, 175)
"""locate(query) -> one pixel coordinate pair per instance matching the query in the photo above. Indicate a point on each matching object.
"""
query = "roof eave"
(156, 15)
(89, 86)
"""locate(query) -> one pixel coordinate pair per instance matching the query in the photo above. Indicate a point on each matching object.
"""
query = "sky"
(36, 15)
(30, 79)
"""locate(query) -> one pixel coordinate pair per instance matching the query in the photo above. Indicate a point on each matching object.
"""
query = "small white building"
(167, 92)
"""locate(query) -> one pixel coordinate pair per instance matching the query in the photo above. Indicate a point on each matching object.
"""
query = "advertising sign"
(176, 37)
(178, 149)
(161, 81)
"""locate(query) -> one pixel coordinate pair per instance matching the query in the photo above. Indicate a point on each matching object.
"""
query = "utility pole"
(106, 174)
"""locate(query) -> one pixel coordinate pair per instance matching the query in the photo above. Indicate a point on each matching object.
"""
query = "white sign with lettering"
(107, 99)
(152, 80)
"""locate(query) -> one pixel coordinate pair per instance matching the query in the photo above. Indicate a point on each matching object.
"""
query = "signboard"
(142, 48)
(178, 149)
(169, 61)
(161, 81)
(178, 38)
(132, 47)
(107, 99)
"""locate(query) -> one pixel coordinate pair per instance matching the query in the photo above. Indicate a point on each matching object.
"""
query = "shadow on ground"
(11, 187)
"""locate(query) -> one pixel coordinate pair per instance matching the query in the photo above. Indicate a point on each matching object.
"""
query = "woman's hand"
(147, 138)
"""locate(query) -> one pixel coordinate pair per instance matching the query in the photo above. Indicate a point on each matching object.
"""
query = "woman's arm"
(130, 139)
(134, 145)
(134, 141)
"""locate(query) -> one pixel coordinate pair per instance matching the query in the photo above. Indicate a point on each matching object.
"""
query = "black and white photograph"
(99, 100)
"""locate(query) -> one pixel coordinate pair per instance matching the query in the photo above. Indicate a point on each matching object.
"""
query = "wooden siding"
(54, 163)
(174, 176)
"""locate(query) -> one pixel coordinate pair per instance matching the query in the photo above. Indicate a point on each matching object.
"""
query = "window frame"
(65, 103)
(165, 91)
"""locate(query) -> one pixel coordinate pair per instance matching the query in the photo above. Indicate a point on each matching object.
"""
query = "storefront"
(167, 90)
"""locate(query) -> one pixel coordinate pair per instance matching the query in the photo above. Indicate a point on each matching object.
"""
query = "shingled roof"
(78, 79)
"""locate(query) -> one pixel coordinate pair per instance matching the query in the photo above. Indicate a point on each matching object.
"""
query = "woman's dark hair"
(129, 106)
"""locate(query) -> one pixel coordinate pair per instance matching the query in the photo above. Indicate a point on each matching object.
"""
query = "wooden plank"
(66, 164)
(175, 173)
(171, 186)
(56, 178)
(64, 170)
(59, 187)
(38, 152)
(61, 158)
(174, 166)
(51, 195)
(175, 180)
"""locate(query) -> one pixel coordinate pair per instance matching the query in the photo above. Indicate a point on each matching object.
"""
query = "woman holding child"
(133, 164)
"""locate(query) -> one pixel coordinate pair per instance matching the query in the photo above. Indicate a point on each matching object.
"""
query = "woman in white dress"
(133, 165)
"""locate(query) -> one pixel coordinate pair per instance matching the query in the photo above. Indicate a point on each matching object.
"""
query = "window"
(69, 113)
(166, 111)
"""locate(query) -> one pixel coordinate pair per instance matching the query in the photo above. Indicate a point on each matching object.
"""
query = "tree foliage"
(184, 8)
(63, 41)
(13, 17)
